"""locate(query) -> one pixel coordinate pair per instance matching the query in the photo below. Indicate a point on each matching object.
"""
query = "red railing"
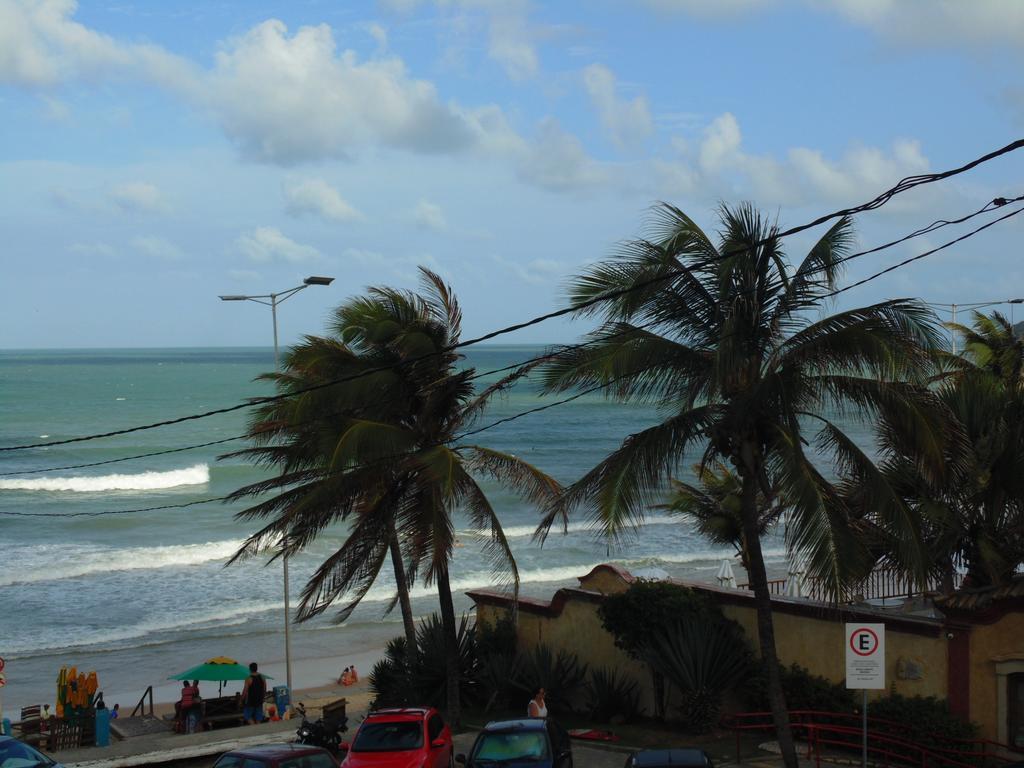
(885, 739)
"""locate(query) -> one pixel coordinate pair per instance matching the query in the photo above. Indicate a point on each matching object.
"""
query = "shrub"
(922, 717)
(803, 691)
(702, 660)
(610, 694)
(499, 676)
(499, 638)
(561, 675)
(393, 683)
(648, 606)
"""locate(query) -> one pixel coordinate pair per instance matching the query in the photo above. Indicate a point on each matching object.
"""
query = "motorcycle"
(320, 733)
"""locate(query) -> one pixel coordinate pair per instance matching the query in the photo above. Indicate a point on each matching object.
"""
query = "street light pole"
(275, 299)
(974, 305)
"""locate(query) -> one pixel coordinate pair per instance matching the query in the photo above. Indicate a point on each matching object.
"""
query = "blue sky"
(156, 154)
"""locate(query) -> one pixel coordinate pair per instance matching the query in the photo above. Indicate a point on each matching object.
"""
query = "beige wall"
(992, 645)
(818, 645)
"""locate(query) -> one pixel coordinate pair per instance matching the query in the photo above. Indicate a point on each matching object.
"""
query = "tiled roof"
(983, 597)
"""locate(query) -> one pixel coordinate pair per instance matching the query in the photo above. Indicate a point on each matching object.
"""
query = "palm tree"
(974, 512)
(724, 341)
(714, 505)
(384, 452)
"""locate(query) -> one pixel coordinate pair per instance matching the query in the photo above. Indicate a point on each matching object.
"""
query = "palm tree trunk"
(765, 627)
(451, 646)
(403, 589)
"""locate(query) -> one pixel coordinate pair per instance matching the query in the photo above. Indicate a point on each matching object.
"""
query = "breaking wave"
(143, 481)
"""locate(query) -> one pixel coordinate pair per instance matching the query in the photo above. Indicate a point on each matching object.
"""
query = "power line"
(920, 256)
(521, 414)
(904, 185)
(994, 204)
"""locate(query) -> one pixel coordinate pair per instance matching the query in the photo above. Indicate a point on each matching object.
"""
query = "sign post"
(865, 666)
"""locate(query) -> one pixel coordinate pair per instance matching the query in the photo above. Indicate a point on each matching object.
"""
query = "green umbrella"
(219, 669)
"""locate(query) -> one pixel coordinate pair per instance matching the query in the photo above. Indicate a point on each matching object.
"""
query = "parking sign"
(865, 656)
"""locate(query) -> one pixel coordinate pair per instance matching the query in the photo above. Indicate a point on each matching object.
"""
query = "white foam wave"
(482, 579)
(198, 474)
(208, 619)
(53, 563)
(518, 531)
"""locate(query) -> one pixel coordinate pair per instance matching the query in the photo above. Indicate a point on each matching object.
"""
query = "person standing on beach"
(253, 692)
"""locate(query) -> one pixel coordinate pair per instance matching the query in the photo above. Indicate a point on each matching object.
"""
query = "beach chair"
(31, 725)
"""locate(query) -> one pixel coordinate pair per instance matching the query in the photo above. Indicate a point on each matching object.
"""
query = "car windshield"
(14, 754)
(388, 737)
(511, 745)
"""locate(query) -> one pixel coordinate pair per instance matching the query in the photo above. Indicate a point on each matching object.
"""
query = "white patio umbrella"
(795, 584)
(726, 578)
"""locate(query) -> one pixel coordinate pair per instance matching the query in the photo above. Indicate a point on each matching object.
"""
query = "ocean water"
(138, 597)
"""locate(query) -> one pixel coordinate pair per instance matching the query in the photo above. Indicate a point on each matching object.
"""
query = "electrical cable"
(521, 414)
(996, 203)
(904, 185)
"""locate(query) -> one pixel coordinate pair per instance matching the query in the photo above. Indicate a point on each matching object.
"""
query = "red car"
(410, 737)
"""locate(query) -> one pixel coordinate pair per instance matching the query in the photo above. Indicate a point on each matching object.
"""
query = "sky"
(155, 155)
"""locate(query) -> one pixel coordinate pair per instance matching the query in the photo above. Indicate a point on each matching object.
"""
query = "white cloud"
(290, 98)
(627, 122)
(137, 197)
(379, 34)
(92, 249)
(267, 244)
(40, 44)
(719, 166)
(557, 161)
(936, 22)
(510, 44)
(708, 8)
(158, 248)
(317, 197)
(55, 109)
(534, 272)
(429, 215)
(244, 275)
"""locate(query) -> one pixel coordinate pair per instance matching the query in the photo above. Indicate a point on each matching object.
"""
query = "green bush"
(922, 717)
(560, 674)
(611, 693)
(498, 639)
(803, 691)
(394, 683)
(648, 606)
(702, 660)
(498, 677)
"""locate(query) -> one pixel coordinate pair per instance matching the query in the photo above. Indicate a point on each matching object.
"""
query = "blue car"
(527, 743)
(17, 754)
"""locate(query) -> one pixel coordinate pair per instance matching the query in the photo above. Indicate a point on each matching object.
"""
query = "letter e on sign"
(865, 656)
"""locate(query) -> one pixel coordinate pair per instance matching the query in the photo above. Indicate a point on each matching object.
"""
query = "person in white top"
(537, 707)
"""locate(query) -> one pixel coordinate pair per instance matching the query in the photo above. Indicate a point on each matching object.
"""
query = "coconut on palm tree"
(727, 341)
(383, 452)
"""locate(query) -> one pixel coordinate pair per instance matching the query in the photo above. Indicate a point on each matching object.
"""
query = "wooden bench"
(220, 711)
(333, 714)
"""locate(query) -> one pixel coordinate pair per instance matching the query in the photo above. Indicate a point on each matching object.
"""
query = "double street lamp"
(272, 300)
(973, 305)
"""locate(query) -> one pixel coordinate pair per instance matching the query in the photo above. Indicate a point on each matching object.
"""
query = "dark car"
(669, 758)
(277, 756)
(528, 743)
(18, 754)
